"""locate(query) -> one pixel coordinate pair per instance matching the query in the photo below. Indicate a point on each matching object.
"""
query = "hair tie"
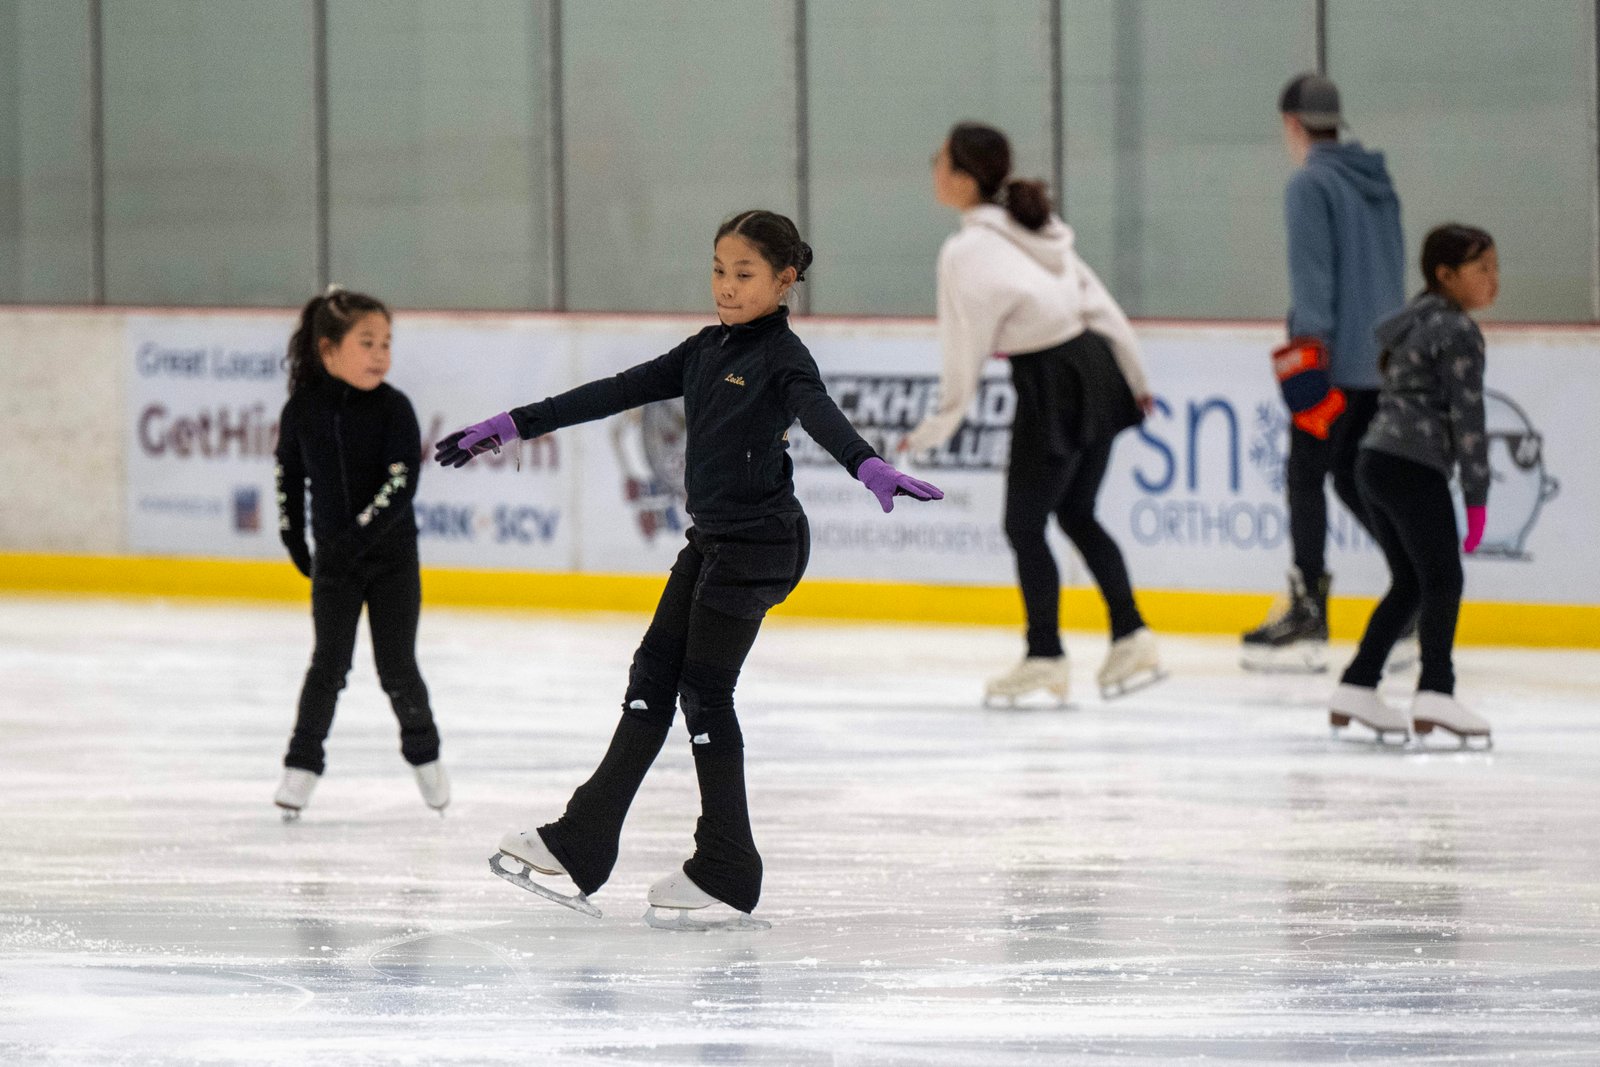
(333, 290)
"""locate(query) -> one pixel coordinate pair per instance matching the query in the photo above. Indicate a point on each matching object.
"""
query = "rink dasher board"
(1194, 496)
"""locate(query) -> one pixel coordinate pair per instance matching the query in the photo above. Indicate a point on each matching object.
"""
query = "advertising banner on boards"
(1194, 495)
(203, 399)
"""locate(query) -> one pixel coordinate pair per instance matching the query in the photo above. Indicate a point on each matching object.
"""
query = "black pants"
(719, 590)
(1065, 487)
(1310, 462)
(391, 590)
(1412, 518)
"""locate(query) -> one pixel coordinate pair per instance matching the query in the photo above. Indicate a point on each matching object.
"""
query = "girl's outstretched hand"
(887, 483)
(457, 449)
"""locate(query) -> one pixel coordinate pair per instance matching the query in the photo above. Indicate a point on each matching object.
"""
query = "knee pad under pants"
(653, 683)
(707, 694)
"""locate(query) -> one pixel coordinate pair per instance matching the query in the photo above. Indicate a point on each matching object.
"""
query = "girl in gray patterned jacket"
(1429, 424)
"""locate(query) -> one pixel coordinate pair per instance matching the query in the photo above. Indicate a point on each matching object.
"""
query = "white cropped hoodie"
(1005, 289)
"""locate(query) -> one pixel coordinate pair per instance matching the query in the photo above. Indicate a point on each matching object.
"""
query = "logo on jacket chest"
(735, 379)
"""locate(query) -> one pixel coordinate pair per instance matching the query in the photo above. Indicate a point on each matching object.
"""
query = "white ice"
(1195, 872)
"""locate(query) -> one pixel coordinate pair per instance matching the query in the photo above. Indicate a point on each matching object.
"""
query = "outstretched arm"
(659, 379)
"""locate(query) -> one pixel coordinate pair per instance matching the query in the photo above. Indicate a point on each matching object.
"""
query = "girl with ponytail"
(744, 380)
(1010, 282)
(353, 440)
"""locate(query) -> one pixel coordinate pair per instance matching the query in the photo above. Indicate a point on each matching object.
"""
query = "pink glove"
(458, 449)
(1477, 515)
(887, 483)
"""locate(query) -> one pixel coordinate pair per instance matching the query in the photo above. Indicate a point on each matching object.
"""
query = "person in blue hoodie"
(1346, 273)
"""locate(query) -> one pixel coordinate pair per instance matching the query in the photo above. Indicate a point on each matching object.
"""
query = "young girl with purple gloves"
(744, 381)
(1430, 423)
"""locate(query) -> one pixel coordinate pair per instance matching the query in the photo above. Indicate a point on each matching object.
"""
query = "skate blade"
(289, 814)
(1464, 742)
(1143, 680)
(520, 879)
(683, 919)
(1289, 660)
(1014, 701)
(1338, 722)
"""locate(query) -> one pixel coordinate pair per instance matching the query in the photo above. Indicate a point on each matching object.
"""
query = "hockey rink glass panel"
(439, 153)
(1175, 166)
(1487, 114)
(676, 117)
(886, 82)
(46, 195)
(210, 142)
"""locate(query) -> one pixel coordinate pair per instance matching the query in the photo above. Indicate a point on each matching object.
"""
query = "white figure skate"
(1035, 674)
(1132, 664)
(1435, 711)
(529, 852)
(434, 784)
(676, 903)
(1365, 706)
(294, 792)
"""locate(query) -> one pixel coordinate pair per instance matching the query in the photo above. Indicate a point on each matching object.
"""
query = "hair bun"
(803, 260)
(1028, 202)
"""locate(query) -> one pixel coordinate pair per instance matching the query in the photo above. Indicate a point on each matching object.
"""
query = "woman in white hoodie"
(1011, 284)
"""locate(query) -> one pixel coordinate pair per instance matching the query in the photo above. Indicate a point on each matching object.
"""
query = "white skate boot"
(1435, 711)
(676, 903)
(1132, 664)
(528, 850)
(434, 784)
(1366, 707)
(294, 792)
(1035, 674)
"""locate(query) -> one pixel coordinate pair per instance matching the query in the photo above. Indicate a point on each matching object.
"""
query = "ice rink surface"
(1195, 873)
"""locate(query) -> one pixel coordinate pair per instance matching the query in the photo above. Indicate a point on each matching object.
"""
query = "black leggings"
(1065, 488)
(1413, 519)
(720, 589)
(1311, 461)
(391, 590)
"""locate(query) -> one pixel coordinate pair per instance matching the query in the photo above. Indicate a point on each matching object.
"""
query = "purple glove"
(457, 449)
(887, 483)
(1477, 515)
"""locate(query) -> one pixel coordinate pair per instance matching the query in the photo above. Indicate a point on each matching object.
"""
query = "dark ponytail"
(327, 317)
(1452, 245)
(983, 153)
(775, 236)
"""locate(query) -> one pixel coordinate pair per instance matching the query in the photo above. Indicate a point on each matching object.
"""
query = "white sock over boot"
(1133, 663)
(528, 846)
(294, 792)
(434, 784)
(676, 903)
(1035, 674)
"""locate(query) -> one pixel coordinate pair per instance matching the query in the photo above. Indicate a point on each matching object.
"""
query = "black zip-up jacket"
(361, 450)
(742, 387)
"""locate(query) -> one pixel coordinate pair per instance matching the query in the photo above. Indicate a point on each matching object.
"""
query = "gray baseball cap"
(1314, 100)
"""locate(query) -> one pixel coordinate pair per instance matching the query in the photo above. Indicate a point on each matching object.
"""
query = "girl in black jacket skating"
(744, 381)
(354, 439)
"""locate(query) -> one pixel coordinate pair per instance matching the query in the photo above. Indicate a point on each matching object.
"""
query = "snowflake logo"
(1269, 444)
